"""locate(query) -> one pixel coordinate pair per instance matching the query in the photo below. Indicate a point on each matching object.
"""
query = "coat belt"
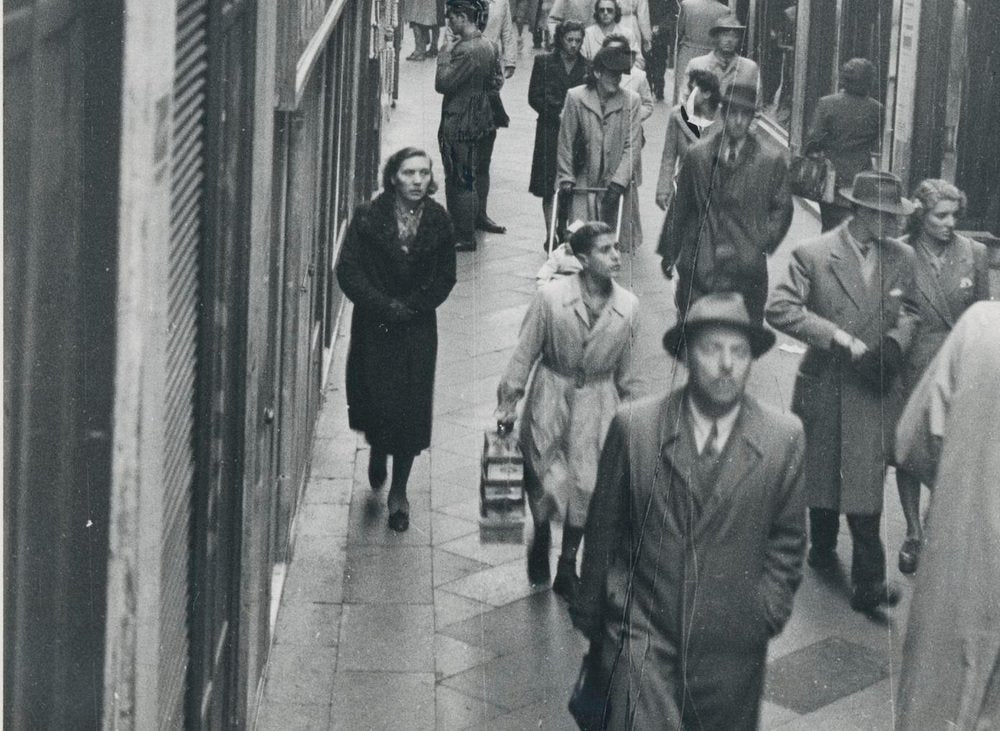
(578, 376)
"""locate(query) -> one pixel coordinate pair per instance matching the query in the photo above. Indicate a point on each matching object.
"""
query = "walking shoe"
(567, 582)
(539, 571)
(416, 56)
(867, 597)
(490, 226)
(821, 558)
(909, 555)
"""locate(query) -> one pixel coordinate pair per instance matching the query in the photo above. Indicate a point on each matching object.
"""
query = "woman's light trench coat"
(582, 373)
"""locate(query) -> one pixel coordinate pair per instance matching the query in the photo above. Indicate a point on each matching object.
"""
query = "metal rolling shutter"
(187, 175)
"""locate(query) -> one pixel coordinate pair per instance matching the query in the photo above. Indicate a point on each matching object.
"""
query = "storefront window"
(774, 50)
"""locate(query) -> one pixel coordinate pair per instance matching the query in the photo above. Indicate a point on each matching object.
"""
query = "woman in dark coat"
(952, 273)
(846, 129)
(551, 77)
(397, 266)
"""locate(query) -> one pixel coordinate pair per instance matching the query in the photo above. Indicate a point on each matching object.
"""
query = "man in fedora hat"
(731, 210)
(693, 544)
(695, 20)
(724, 60)
(849, 296)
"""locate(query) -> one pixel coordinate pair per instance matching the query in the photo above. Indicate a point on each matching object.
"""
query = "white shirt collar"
(702, 425)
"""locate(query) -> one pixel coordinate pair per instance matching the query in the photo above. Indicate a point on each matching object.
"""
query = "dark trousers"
(831, 215)
(867, 552)
(466, 180)
(754, 296)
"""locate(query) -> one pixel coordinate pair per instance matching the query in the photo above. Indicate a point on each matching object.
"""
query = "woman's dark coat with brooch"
(390, 365)
(546, 95)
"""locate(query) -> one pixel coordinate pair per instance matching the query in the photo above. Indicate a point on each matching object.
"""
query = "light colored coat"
(694, 21)
(594, 35)
(942, 298)
(849, 427)
(582, 372)
(667, 594)
(951, 656)
(500, 29)
(599, 147)
(677, 139)
(582, 11)
(739, 70)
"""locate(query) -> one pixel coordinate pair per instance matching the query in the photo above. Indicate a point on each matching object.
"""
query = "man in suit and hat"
(694, 539)
(724, 60)
(695, 21)
(731, 210)
(849, 295)
(468, 70)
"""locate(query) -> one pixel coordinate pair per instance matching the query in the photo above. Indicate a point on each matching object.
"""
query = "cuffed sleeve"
(788, 305)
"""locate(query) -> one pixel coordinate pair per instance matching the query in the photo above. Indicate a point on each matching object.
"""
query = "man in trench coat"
(849, 295)
(949, 437)
(693, 545)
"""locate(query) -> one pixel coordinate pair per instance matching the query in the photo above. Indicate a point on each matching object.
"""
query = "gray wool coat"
(849, 426)
(678, 599)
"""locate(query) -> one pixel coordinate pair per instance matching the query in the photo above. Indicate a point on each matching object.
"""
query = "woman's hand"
(400, 312)
(662, 201)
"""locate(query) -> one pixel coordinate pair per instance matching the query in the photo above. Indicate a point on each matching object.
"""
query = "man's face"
(737, 122)
(604, 260)
(608, 81)
(879, 224)
(727, 41)
(718, 363)
(456, 21)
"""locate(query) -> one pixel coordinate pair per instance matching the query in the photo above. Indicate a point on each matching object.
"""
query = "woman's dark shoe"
(868, 597)
(487, 224)
(909, 555)
(539, 571)
(378, 472)
(416, 56)
(567, 583)
(399, 521)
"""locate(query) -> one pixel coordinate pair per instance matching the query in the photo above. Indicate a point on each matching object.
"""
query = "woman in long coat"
(551, 77)
(952, 273)
(949, 437)
(397, 265)
(600, 145)
(578, 337)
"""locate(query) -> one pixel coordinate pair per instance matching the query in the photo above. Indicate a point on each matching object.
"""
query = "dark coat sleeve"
(536, 86)
(683, 204)
(818, 136)
(605, 530)
(436, 286)
(785, 541)
(980, 259)
(352, 274)
(781, 209)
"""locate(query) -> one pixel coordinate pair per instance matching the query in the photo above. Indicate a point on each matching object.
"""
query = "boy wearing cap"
(849, 295)
(693, 544)
(731, 210)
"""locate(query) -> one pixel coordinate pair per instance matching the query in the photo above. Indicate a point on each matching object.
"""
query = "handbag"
(587, 702)
(500, 118)
(813, 178)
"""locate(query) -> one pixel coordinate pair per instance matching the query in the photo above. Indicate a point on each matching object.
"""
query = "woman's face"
(606, 13)
(413, 178)
(571, 43)
(939, 222)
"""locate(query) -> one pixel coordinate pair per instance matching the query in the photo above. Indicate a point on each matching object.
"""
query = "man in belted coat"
(695, 21)
(850, 296)
(468, 72)
(694, 539)
(731, 210)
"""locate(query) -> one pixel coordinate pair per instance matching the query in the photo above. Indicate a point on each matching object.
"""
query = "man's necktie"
(732, 154)
(710, 452)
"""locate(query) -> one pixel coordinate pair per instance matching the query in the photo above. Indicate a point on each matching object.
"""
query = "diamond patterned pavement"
(437, 628)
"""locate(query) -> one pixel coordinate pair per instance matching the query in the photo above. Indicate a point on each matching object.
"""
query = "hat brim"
(903, 208)
(720, 28)
(761, 339)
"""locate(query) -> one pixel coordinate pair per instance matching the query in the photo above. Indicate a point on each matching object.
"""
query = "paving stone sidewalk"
(435, 628)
